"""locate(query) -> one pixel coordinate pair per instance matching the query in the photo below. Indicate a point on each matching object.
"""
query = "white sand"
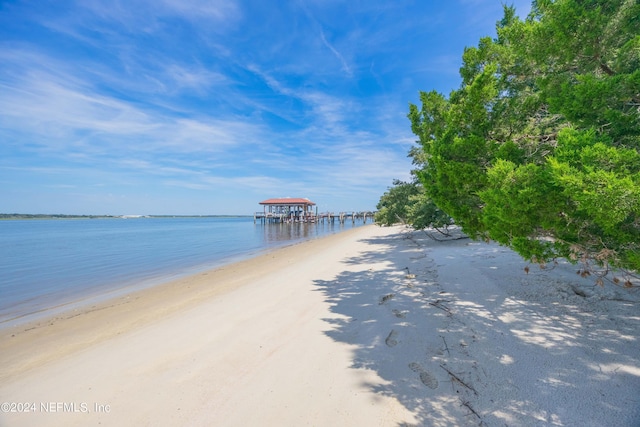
(364, 328)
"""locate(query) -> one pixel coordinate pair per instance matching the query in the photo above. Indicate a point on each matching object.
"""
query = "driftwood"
(457, 379)
(446, 347)
(438, 304)
(445, 234)
(469, 407)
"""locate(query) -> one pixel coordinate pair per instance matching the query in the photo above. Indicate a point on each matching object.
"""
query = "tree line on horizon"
(539, 148)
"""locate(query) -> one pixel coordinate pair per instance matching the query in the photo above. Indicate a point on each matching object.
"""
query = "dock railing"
(309, 217)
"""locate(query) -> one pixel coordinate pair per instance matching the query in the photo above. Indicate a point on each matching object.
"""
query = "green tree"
(407, 203)
(393, 206)
(539, 148)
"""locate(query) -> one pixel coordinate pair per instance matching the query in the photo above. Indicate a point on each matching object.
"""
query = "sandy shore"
(363, 328)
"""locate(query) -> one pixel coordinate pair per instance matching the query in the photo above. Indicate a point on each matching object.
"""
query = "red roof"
(287, 201)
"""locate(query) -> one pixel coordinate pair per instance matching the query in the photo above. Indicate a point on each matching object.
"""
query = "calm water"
(52, 263)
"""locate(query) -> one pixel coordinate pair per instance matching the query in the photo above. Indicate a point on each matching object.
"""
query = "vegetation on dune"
(539, 148)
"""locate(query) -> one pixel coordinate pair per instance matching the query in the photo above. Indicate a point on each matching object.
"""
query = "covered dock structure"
(286, 209)
(296, 210)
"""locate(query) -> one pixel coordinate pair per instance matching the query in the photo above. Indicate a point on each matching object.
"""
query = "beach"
(372, 326)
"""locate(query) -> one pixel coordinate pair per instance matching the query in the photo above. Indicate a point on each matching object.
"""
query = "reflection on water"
(291, 232)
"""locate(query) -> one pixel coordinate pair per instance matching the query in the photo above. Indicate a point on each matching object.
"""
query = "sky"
(207, 107)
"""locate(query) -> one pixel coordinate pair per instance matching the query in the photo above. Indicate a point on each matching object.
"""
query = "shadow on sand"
(460, 335)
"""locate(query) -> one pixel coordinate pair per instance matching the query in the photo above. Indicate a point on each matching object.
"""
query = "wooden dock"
(300, 210)
(328, 217)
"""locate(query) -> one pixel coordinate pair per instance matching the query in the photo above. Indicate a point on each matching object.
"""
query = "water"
(53, 263)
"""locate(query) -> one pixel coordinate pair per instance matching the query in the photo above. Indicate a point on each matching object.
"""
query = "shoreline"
(132, 307)
(98, 297)
(363, 327)
(82, 287)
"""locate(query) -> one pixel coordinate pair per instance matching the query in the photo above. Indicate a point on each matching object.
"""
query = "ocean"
(48, 265)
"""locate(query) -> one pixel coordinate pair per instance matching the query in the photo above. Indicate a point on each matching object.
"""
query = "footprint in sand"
(425, 376)
(391, 338)
(385, 298)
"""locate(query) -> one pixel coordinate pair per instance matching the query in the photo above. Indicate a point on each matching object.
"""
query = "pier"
(299, 210)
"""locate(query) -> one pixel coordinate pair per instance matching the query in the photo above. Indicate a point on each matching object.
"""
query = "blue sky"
(208, 107)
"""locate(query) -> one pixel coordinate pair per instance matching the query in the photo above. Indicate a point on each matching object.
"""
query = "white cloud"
(216, 10)
(338, 55)
(197, 78)
(146, 15)
(152, 110)
(43, 97)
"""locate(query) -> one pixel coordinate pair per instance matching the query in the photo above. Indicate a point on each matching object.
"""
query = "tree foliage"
(407, 203)
(393, 206)
(539, 148)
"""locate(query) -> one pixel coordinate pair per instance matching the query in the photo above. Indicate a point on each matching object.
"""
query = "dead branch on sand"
(457, 379)
(438, 304)
(469, 407)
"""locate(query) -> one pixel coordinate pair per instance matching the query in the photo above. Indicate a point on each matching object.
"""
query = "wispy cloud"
(198, 79)
(45, 92)
(338, 55)
(220, 11)
(210, 101)
(144, 16)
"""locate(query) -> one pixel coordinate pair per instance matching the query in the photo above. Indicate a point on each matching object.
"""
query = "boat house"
(287, 209)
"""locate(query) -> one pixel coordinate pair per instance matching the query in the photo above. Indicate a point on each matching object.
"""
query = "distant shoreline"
(65, 216)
